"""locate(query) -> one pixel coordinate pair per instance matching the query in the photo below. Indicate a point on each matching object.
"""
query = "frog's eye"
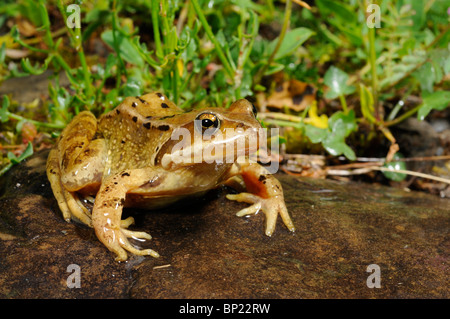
(207, 122)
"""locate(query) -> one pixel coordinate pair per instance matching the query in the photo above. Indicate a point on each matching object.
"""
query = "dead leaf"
(16, 54)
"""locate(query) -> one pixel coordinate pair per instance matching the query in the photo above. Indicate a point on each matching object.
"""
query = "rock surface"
(208, 252)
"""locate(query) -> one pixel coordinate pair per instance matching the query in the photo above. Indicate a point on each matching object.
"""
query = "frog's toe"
(125, 244)
(247, 198)
(244, 197)
(136, 234)
(254, 209)
(125, 223)
(122, 245)
(272, 207)
(141, 252)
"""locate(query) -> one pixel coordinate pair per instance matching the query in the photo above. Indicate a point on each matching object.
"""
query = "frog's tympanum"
(126, 158)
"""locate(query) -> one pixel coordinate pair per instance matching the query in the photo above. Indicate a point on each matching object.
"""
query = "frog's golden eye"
(207, 122)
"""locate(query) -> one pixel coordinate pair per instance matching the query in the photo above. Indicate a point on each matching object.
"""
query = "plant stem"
(213, 39)
(403, 117)
(76, 39)
(37, 123)
(155, 23)
(373, 60)
(286, 22)
(86, 73)
(165, 21)
(116, 47)
(175, 77)
(84, 65)
(343, 103)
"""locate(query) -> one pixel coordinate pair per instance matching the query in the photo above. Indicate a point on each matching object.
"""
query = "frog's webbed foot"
(126, 245)
(272, 207)
(116, 240)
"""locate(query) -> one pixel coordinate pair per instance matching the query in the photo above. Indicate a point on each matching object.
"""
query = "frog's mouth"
(219, 149)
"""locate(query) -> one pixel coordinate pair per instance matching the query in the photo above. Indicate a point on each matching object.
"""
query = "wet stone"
(208, 252)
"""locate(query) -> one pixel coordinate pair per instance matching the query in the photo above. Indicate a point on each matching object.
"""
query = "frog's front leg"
(109, 227)
(264, 193)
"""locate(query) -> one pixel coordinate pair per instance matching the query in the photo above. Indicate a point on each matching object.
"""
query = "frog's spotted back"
(152, 105)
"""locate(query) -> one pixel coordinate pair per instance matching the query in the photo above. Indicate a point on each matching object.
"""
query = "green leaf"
(343, 123)
(274, 68)
(339, 9)
(292, 40)
(4, 114)
(27, 67)
(419, 17)
(2, 52)
(315, 134)
(340, 125)
(132, 88)
(438, 100)
(426, 76)
(366, 101)
(336, 80)
(395, 166)
(336, 146)
(111, 61)
(125, 46)
(27, 153)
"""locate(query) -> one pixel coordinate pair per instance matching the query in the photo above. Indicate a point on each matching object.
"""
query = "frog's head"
(212, 136)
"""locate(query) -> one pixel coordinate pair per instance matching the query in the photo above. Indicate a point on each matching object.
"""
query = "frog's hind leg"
(68, 202)
(77, 162)
(77, 210)
(54, 177)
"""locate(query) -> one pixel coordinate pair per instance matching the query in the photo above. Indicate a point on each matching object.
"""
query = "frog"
(126, 158)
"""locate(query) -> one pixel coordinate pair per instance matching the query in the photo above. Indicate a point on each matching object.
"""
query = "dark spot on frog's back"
(134, 119)
(164, 106)
(125, 174)
(261, 178)
(167, 117)
(163, 127)
(159, 94)
(141, 99)
(147, 125)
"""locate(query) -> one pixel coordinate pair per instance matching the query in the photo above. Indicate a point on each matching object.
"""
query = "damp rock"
(349, 237)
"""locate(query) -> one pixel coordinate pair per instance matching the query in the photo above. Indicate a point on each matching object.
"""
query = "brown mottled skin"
(125, 159)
